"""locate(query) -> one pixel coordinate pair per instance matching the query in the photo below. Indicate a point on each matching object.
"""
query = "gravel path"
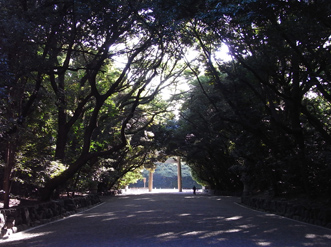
(172, 219)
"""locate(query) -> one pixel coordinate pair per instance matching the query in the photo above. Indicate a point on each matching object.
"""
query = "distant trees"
(165, 177)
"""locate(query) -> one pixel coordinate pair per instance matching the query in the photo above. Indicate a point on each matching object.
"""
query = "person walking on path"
(194, 190)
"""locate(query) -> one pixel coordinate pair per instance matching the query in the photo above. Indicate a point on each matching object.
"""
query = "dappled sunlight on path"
(174, 219)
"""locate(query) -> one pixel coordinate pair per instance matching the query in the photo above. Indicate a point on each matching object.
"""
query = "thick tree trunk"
(55, 182)
(61, 143)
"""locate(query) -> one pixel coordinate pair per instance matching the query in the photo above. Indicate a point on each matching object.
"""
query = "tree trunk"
(62, 130)
(10, 162)
(61, 143)
(55, 182)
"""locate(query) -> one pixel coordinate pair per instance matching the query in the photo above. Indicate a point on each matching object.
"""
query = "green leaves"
(62, 95)
(259, 103)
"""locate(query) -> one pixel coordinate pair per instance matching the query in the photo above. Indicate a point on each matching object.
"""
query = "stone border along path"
(32, 214)
(172, 219)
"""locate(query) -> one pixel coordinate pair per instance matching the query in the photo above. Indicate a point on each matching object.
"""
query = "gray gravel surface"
(173, 219)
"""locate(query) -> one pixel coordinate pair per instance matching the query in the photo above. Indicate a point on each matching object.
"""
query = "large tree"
(281, 51)
(70, 50)
(21, 80)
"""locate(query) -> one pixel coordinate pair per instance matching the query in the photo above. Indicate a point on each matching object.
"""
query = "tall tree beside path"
(69, 50)
(281, 54)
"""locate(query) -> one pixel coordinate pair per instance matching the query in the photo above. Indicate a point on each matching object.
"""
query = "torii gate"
(179, 174)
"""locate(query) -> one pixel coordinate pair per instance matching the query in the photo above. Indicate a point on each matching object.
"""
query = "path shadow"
(177, 219)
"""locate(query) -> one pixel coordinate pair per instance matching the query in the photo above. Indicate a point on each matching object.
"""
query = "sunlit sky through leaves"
(222, 55)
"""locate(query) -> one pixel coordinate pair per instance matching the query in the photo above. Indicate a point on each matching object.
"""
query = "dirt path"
(173, 219)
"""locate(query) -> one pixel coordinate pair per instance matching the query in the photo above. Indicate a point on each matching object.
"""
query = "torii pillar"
(179, 175)
(150, 181)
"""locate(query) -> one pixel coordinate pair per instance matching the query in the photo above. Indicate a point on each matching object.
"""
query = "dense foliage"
(65, 100)
(263, 116)
(80, 84)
